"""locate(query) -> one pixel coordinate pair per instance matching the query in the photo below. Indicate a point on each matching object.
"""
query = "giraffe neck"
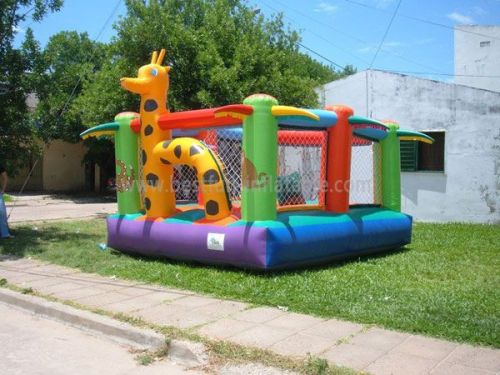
(153, 105)
(159, 198)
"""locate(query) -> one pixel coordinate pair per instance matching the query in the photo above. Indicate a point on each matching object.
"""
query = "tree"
(67, 62)
(99, 103)
(17, 143)
(13, 12)
(101, 98)
(220, 51)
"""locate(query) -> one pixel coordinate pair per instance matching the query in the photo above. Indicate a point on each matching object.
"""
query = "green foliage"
(14, 12)
(16, 80)
(145, 359)
(316, 366)
(68, 61)
(220, 51)
(17, 145)
(102, 97)
(27, 291)
(100, 151)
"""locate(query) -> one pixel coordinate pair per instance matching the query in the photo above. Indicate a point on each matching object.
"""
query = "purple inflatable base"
(265, 245)
(243, 246)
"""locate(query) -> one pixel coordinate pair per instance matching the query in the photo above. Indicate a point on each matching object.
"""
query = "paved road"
(28, 208)
(34, 345)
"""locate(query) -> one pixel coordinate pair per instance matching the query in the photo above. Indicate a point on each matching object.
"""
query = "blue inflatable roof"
(326, 120)
(371, 134)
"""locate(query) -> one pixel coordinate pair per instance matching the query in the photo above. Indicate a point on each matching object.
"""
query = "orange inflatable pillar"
(338, 173)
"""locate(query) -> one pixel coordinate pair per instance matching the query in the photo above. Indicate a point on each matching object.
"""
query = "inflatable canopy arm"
(410, 135)
(284, 110)
(238, 111)
(360, 120)
(371, 134)
(234, 114)
(205, 118)
(107, 129)
(323, 119)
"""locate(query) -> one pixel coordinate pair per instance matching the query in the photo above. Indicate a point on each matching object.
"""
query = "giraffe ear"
(154, 57)
(159, 61)
(167, 68)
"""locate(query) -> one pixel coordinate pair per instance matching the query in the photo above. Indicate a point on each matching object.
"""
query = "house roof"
(379, 71)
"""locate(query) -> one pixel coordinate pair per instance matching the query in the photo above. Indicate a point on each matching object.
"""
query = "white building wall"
(478, 55)
(350, 91)
(469, 188)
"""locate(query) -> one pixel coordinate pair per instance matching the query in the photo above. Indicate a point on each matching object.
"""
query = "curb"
(117, 331)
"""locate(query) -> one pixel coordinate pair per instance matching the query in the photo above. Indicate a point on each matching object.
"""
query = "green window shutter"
(409, 156)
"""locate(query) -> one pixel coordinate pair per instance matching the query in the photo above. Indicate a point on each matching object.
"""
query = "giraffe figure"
(152, 85)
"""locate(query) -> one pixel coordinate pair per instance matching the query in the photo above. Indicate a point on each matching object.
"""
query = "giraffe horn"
(154, 57)
(160, 58)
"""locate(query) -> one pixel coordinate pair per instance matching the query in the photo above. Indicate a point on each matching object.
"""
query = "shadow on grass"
(267, 273)
(30, 240)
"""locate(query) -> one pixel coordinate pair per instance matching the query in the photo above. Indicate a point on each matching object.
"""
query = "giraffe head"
(152, 79)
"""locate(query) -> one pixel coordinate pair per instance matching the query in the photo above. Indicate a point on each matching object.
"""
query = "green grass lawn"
(445, 284)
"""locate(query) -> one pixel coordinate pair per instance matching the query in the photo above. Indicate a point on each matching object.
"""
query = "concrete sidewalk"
(352, 345)
(38, 207)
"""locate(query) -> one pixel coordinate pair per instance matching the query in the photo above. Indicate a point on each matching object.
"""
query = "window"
(484, 44)
(419, 156)
(409, 156)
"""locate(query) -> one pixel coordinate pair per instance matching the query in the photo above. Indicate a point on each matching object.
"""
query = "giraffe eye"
(154, 72)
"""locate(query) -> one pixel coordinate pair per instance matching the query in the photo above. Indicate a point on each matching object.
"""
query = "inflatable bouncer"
(255, 185)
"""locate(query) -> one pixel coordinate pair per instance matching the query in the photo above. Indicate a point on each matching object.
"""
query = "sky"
(419, 40)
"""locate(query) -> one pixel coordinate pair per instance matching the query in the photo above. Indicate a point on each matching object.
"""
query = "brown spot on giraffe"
(148, 130)
(211, 177)
(152, 179)
(150, 105)
(147, 203)
(212, 208)
(178, 151)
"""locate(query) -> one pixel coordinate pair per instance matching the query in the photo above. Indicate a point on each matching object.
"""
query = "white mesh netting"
(185, 184)
(301, 166)
(302, 162)
(226, 143)
(365, 186)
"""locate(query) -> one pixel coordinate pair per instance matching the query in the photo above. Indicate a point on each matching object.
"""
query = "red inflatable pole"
(339, 160)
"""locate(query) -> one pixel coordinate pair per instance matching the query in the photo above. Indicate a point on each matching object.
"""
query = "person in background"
(4, 228)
